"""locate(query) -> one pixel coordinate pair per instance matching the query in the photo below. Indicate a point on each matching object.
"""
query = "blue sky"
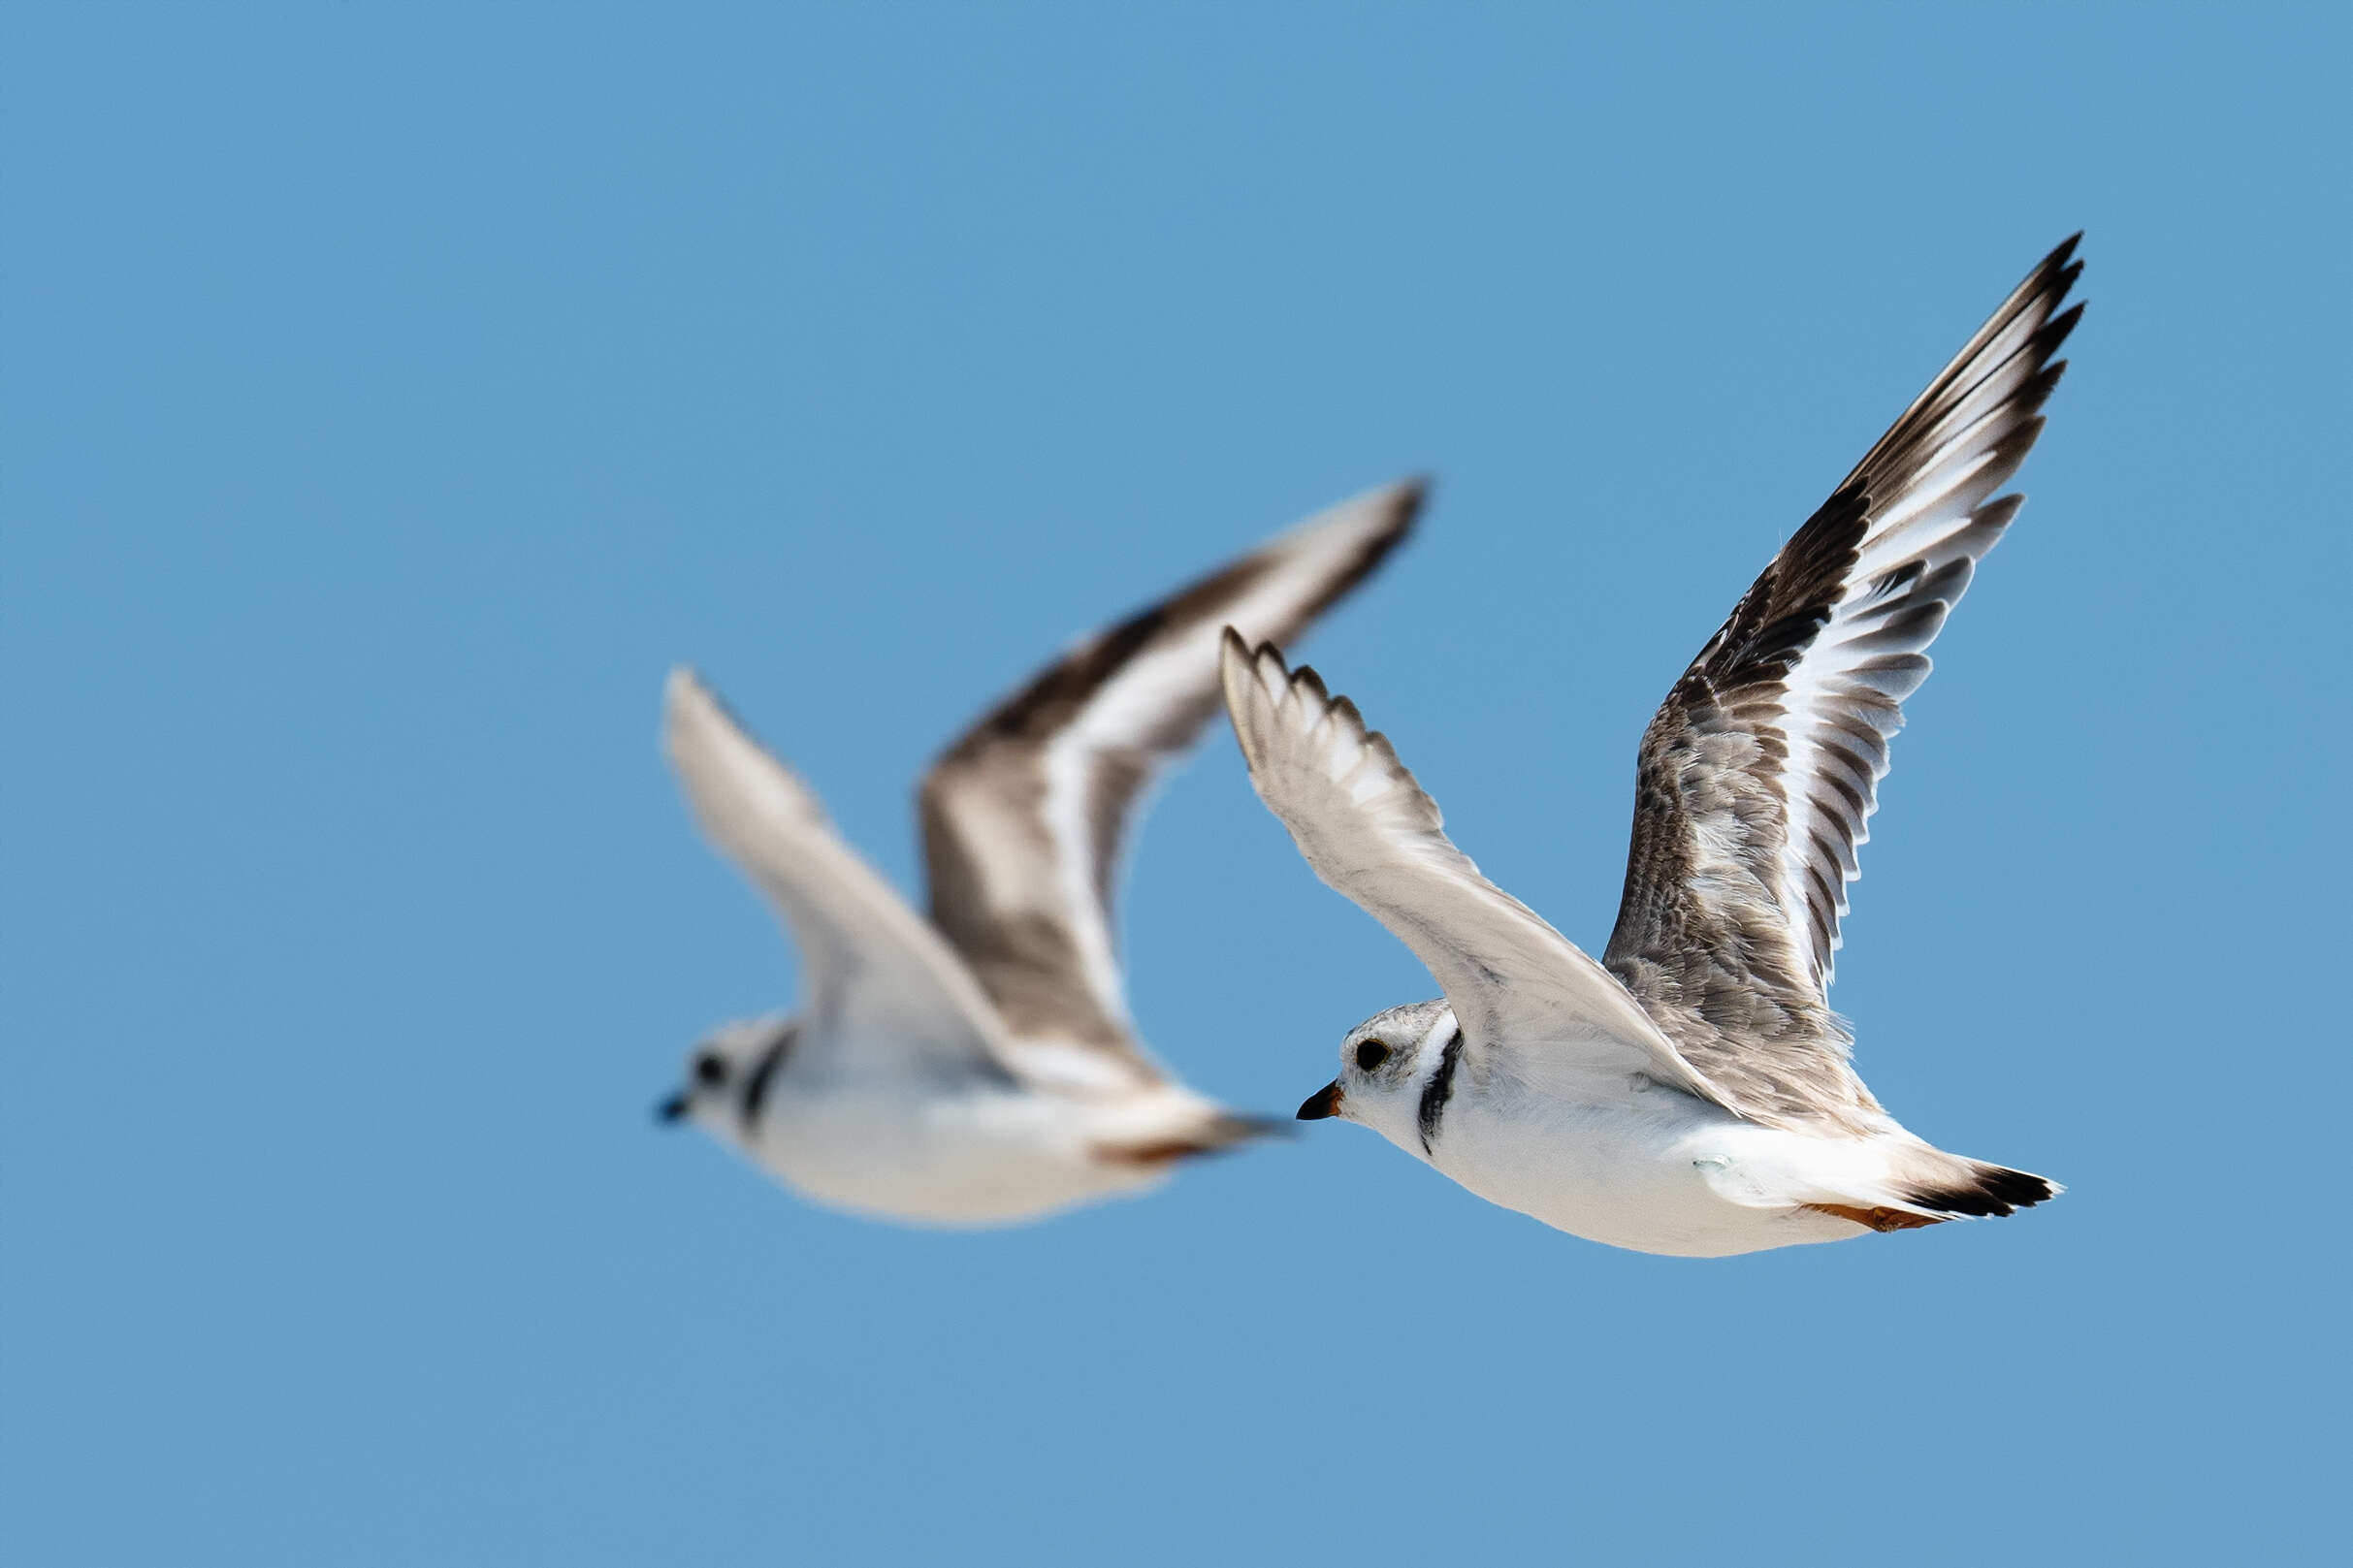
(393, 394)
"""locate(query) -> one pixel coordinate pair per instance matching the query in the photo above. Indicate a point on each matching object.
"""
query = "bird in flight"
(1691, 1093)
(980, 1066)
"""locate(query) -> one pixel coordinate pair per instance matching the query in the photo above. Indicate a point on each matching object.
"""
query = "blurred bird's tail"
(1216, 1132)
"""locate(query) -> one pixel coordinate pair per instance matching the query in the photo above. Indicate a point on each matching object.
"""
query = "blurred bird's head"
(729, 1074)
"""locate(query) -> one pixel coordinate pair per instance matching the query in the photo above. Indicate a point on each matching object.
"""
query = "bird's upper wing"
(877, 976)
(1023, 815)
(1372, 834)
(1759, 771)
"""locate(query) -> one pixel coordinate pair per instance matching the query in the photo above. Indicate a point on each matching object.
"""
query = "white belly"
(980, 1157)
(1651, 1172)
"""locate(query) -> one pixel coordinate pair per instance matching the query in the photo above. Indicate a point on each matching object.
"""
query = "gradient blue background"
(393, 394)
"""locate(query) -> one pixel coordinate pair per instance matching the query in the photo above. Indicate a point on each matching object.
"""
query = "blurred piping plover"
(980, 1067)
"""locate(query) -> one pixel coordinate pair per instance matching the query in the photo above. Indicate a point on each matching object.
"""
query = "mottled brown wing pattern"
(1757, 777)
(1025, 815)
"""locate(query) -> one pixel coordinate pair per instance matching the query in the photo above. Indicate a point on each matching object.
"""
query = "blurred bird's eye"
(710, 1070)
(1369, 1054)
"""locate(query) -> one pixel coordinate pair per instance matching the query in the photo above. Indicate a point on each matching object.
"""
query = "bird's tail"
(1926, 1186)
(1973, 1189)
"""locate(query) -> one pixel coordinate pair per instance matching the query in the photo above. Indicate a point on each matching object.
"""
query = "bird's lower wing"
(877, 975)
(1373, 835)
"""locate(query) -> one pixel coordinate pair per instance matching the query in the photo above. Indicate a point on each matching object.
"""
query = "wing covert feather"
(1758, 775)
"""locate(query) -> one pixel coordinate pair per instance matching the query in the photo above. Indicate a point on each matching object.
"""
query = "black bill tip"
(1325, 1102)
(672, 1109)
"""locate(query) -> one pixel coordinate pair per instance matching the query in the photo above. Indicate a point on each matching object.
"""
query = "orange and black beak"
(1325, 1102)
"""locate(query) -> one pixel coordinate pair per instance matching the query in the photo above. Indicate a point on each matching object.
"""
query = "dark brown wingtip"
(2058, 276)
(1406, 499)
(2043, 286)
(2054, 332)
(2056, 273)
(1404, 509)
(1412, 495)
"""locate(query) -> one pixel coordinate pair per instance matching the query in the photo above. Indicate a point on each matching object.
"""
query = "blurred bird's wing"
(879, 980)
(1025, 814)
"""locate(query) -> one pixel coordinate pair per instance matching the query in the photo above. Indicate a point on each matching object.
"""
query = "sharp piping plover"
(1691, 1093)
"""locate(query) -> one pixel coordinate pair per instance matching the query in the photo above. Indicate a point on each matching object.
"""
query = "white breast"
(967, 1157)
(1619, 1161)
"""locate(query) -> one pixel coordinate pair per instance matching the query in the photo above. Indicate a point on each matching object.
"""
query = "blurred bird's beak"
(1325, 1102)
(672, 1109)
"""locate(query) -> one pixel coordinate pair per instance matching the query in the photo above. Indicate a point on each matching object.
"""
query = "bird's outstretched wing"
(876, 977)
(1025, 814)
(1760, 770)
(1373, 835)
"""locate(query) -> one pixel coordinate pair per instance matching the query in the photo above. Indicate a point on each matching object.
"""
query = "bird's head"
(1385, 1065)
(729, 1074)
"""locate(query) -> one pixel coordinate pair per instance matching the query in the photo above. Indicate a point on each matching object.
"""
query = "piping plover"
(980, 1066)
(1691, 1093)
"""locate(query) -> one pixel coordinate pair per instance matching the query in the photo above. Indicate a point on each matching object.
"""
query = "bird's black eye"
(1369, 1054)
(710, 1070)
